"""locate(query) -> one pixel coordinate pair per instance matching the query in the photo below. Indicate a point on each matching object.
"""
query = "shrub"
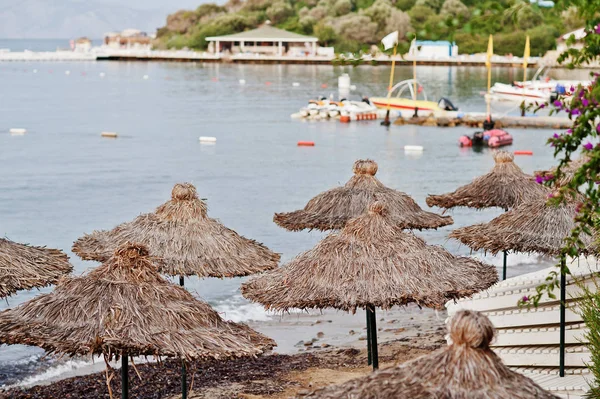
(405, 5)
(355, 28)
(342, 7)
(433, 4)
(279, 12)
(419, 14)
(456, 9)
(542, 39)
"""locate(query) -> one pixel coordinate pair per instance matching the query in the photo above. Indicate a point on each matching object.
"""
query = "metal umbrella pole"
(124, 377)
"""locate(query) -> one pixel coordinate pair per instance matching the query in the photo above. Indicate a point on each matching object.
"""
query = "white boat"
(530, 94)
(540, 88)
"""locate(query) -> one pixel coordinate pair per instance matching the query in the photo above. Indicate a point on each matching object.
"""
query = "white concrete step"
(543, 356)
(548, 335)
(572, 386)
(523, 317)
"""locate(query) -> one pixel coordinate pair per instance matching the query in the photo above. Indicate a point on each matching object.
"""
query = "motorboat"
(540, 89)
(493, 138)
(403, 97)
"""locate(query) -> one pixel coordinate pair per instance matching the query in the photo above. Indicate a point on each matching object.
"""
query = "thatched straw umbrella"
(466, 368)
(184, 240)
(505, 186)
(23, 267)
(568, 172)
(535, 226)
(125, 308)
(331, 209)
(370, 263)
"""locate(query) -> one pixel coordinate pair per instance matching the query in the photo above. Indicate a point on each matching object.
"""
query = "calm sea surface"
(62, 179)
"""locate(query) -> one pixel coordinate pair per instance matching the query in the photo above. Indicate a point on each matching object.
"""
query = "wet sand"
(329, 353)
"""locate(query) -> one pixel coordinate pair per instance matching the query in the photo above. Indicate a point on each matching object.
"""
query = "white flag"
(413, 47)
(390, 40)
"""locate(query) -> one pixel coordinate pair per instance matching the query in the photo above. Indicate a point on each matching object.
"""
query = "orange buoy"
(268, 83)
(523, 152)
(345, 118)
(306, 144)
(324, 86)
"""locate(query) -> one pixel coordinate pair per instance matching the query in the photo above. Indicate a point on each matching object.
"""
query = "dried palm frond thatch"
(535, 226)
(467, 368)
(184, 240)
(125, 307)
(331, 209)
(568, 172)
(371, 262)
(505, 186)
(23, 267)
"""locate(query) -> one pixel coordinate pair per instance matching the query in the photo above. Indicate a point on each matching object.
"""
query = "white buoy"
(146, 77)
(35, 71)
(297, 115)
(102, 74)
(67, 72)
(413, 148)
(17, 131)
(207, 139)
(344, 81)
(352, 87)
(112, 135)
(296, 84)
(242, 81)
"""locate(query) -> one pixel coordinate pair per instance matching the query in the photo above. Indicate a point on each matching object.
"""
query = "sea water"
(62, 179)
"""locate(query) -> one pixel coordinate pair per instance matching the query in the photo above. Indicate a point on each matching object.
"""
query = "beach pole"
(386, 121)
(124, 377)
(504, 267)
(374, 352)
(525, 60)
(183, 370)
(415, 71)
(369, 352)
(563, 299)
(488, 64)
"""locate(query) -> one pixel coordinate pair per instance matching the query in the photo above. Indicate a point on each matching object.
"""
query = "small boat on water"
(493, 138)
(323, 108)
(539, 89)
(412, 103)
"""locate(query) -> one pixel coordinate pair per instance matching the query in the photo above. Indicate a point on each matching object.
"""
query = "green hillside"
(352, 25)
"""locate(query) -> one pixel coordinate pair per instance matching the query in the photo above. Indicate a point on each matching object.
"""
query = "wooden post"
(124, 377)
(504, 267)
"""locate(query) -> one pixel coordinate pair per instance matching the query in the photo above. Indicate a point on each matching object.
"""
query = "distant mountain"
(42, 19)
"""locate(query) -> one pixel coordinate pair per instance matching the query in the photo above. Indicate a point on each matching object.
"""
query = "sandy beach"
(315, 350)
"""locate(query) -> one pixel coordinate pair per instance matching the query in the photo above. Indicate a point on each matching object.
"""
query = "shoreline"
(314, 350)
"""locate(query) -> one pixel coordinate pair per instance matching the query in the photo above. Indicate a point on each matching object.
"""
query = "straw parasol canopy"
(125, 307)
(184, 240)
(467, 368)
(23, 267)
(535, 226)
(505, 186)
(568, 172)
(371, 262)
(331, 209)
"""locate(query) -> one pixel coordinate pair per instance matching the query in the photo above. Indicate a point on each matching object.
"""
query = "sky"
(43, 19)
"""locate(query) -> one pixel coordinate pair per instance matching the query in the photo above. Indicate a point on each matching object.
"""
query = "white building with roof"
(265, 40)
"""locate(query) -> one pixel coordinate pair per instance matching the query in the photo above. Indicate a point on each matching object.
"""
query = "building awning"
(264, 34)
